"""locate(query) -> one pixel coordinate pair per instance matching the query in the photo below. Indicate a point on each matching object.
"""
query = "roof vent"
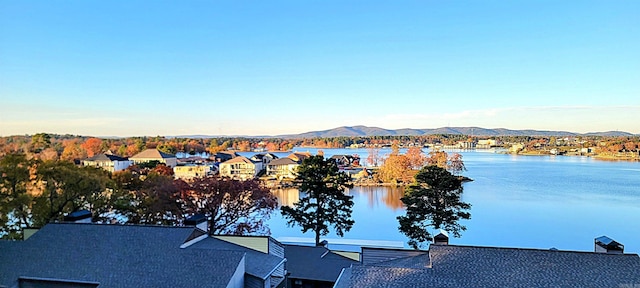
(604, 244)
(441, 238)
(80, 216)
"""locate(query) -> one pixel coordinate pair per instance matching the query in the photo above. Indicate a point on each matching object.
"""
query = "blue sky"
(129, 68)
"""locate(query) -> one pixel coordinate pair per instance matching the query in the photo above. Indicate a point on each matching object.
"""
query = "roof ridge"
(533, 249)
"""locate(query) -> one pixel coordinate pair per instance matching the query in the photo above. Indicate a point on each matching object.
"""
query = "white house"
(240, 168)
(109, 162)
(155, 155)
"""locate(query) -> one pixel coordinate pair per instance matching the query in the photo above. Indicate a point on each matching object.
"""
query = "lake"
(517, 201)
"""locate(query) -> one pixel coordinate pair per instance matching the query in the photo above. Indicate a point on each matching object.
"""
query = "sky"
(135, 68)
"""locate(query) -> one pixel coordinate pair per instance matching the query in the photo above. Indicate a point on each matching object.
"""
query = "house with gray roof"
(155, 155)
(94, 255)
(314, 266)
(282, 168)
(109, 162)
(446, 265)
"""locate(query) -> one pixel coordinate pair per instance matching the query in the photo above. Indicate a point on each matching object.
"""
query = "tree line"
(34, 192)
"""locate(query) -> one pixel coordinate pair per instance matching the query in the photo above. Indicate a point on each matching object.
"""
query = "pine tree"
(324, 203)
(433, 200)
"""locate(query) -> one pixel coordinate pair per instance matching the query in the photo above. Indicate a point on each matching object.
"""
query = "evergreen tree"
(324, 203)
(433, 200)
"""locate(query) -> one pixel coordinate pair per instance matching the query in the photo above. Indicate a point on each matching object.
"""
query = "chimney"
(441, 238)
(80, 216)
(604, 244)
(198, 220)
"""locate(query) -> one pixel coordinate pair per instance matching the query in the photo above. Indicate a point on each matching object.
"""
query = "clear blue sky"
(274, 67)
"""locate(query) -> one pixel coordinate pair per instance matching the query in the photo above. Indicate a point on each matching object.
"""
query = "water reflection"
(286, 196)
(387, 197)
(377, 196)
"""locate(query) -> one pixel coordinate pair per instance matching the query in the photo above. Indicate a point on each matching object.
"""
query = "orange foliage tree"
(92, 146)
(417, 159)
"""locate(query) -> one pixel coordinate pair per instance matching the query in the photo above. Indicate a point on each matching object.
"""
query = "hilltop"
(365, 131)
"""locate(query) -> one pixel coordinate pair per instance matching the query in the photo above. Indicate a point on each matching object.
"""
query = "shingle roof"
(257, 263)
(239, 159)
(282, 161)
(106, 157)
(152, 153)
(314, 263)
(116, 256)
(469, 266)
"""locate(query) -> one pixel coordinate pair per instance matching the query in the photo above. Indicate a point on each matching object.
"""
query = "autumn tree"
(73, 151)
(67, 188)
(374, 157)
(93, 146)
(14, 200)
(416, 157)
(324, 202)
(433, 200)
(453, 163)
(395, 169)
(234, 207)
(155, 201)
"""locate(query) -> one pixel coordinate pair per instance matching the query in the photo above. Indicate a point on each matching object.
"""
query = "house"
(299, 156)
(282, 168)
(109, 162)
(314, 266)
(191, 171)
(240, 168)
(155, 155)
(265, 158)
(446, 265)
(224, 156)
(346, 160)
(95, 255)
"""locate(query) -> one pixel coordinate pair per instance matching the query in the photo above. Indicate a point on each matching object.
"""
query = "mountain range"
(364, 131)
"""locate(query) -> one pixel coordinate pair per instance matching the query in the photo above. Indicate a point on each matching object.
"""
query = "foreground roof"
(116, 256)
(470, 266)
(257, 264)
(314, 263)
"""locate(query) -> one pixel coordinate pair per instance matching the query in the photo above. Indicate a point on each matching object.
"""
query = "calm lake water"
(517, 201)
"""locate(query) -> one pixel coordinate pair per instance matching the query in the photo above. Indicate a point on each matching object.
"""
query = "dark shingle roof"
(257, 263)
(106, 158)
(282, 161)
(314, 263)
(153, 154)
(116, 256)
(469, 266)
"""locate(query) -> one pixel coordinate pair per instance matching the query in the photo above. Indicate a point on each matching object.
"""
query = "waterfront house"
(283, 168)
(265, 158)
(299, 156)
(191, 171)
(346, 160)
(240, 168)
(155, 155)
(223, 156)
(109, 162)
(445, 265)
(94, 255)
